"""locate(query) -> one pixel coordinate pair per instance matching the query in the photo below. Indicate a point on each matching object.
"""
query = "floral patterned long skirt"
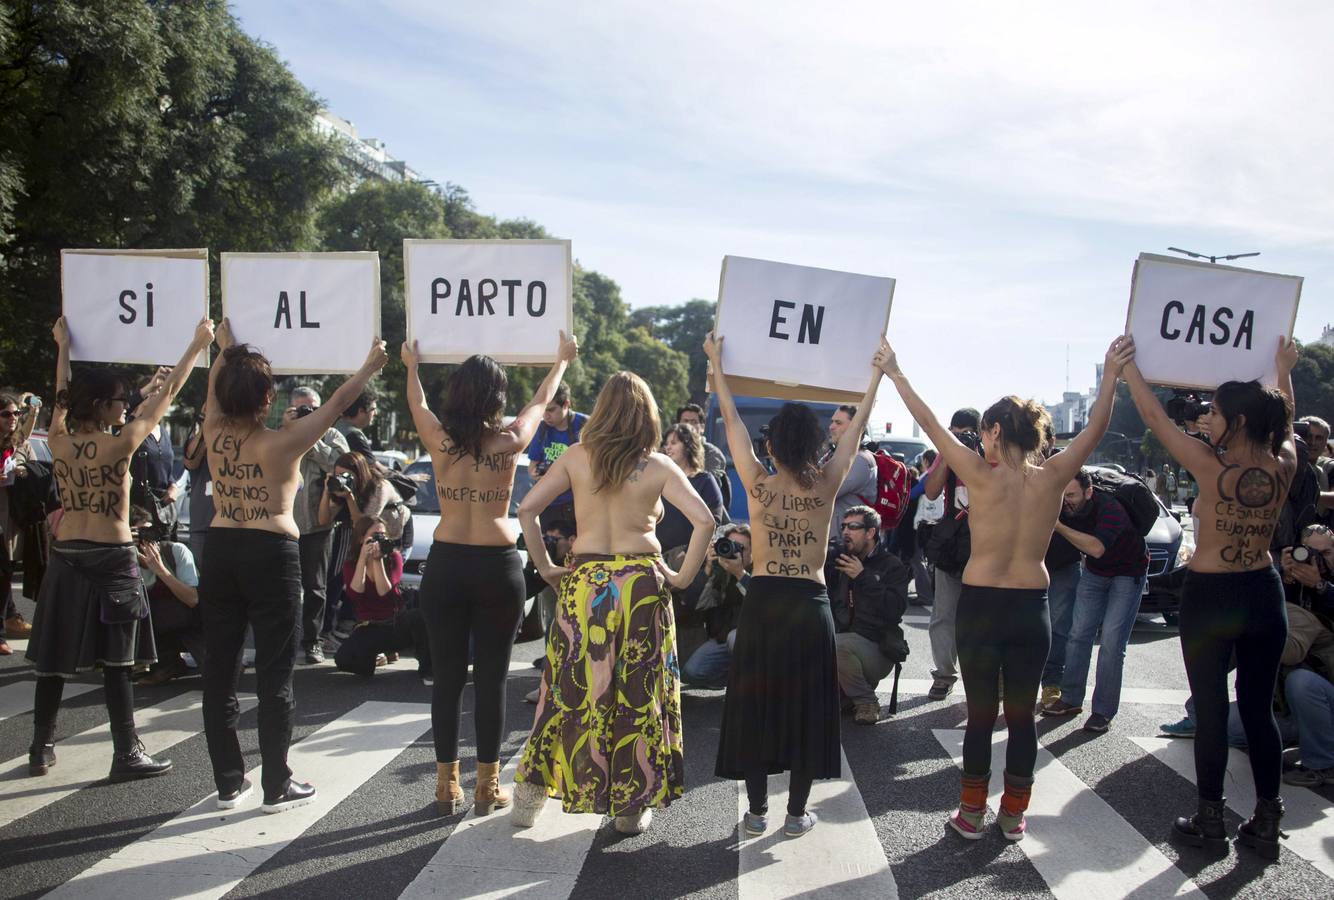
(606, 736)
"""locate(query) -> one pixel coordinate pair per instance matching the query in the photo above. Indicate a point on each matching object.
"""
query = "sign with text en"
(1198, 325)
(508, 299)
(800, 333)
(133, 306)
(306, 312)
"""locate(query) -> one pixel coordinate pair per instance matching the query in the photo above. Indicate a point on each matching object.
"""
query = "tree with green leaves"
(683, 328)
(1313, 381)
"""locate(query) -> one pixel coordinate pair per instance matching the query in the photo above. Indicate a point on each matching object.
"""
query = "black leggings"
(1239, 612)
(119, 699)
(1001, 632)
(798, 792)
(474, 595)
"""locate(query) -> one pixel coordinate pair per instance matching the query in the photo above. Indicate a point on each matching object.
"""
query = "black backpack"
(1132, 493)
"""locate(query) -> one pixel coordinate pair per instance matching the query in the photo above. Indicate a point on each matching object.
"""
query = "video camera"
(1185, 407)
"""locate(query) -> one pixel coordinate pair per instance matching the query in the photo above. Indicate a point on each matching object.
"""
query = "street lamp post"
(1213, 259)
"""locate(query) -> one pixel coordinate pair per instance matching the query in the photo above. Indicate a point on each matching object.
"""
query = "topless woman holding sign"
(1232, 600)
(92, 610)
(252, 570)
(1003, 627)
(781, 711)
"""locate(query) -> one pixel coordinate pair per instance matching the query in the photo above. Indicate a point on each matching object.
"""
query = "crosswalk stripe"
(1308, 820)
(841, 857)
(486, 856)
(1080, 846)
(1142, 696)
(16, 698)
(204, 853)
(160, 726)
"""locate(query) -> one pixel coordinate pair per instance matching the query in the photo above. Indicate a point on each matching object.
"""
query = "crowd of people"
(1024, 554)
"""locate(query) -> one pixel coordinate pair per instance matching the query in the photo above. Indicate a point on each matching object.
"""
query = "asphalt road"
(1102, 808)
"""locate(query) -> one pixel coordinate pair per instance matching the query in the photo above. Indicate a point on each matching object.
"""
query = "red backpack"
(891, 494)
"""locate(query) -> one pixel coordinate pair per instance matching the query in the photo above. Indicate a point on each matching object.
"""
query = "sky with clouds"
(1004, 162)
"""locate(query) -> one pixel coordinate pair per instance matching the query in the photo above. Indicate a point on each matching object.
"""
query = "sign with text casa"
(1197, 325)
(307, 312)
(508, 299)
(799, 333)
(133, 306)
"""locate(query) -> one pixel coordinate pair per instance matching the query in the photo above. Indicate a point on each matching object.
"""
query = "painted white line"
(917, 620)
(841, 857)
(204, 853)
(18, 645)
(1142, 696)
(85, 758)
(486, 856)
(16, 698)
(1308, 819)
(1080, 846)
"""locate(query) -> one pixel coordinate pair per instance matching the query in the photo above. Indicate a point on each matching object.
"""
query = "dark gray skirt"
(92, 611)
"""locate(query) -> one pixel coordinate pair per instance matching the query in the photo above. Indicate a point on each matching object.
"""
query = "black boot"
(1205, 828)
(41, 757)
(1261, 833)
(131, 761)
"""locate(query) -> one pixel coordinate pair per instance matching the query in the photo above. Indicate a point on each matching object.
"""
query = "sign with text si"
(133, 306)
(307, 312)
(799, 333)
(508, 299)
(1197, 325)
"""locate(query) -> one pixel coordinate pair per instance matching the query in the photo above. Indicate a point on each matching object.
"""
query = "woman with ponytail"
(1003, 627)
(1232, 601)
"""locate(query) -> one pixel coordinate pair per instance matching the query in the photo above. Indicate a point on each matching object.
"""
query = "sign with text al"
(508, 299)
(307, 312)
(799, 333)
(133, 306)
(1197, 325)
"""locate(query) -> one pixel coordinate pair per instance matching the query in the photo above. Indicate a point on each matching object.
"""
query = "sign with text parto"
(508, 299)
(133, 306)
(306, 312)
(799, 333)
(1197, 325)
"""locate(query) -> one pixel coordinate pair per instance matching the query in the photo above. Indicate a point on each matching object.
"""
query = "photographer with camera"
(371, 574)
(868, 595)
(316, 544)
(18, 415)
(728, 564)
(558, 539)
(558, 431)
(172, 580)
(355, 488)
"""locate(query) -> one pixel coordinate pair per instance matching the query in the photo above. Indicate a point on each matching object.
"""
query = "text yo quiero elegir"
(508, 299)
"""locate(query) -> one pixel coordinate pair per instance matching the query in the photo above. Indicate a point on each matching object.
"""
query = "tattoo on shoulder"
(634, 476)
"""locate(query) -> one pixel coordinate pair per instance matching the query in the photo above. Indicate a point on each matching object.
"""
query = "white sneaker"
(529, 801)
(635, 824)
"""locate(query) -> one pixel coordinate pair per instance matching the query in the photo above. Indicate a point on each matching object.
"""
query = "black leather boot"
(1261, 833)
(1205, 828)
(41, 757)
(131, 761)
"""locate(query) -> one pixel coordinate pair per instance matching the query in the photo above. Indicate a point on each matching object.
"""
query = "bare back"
(790, 525)
(1238, 508)
(1011, 516)
(475, 491)
(92, 473)
(254, 477)
(617, 519)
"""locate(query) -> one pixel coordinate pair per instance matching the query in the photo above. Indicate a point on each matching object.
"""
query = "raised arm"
(60, 331)
(1285, 359)
(1194, 454)
(964, 461)
(302, 434)
(748, 465)
(525, 423)
(836, 470)
(1069, 461)
(429, 430)
(155, 406)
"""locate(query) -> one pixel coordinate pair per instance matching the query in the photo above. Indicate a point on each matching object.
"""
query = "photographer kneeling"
(371, 574)
(558, 537)
(171, 579)
(728, 566)
(868, 595)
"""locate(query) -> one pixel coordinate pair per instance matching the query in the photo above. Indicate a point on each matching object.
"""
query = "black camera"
(726, 548)
(1301, 554)
(386, 544)
(1183, 408)
(146, 534)
(302, 411)
(970, 440)
(342, 484)
(541, 467)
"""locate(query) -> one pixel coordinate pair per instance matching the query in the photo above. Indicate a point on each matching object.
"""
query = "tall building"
(1072, 413)
(1327, 336)
(364, 158)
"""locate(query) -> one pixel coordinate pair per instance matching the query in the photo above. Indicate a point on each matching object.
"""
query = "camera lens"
(726, 548)
(1301, 554)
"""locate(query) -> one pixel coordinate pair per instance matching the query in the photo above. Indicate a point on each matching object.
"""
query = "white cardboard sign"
(133, 306)
(306, 312)
(508, 299)
(797, 332)
(1198, 325)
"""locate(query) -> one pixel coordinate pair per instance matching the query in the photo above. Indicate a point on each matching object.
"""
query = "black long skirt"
(781, 712)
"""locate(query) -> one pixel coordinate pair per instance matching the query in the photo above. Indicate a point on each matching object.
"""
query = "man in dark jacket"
(868, 594)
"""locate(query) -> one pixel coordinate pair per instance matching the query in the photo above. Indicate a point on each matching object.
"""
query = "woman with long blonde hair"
(606, 736)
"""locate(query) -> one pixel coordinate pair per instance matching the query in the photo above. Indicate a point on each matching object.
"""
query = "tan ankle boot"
(488, 794)
(448, 794)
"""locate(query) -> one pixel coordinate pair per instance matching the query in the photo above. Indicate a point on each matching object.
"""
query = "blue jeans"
(1112, 604)
(1061, 608)
(1311, 700)
(708, 664)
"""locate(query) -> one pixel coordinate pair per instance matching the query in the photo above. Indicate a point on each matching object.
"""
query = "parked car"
(903, 448)
(393, 460)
